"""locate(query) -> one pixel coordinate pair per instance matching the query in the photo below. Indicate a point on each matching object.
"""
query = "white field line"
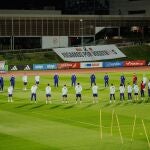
(82, 122)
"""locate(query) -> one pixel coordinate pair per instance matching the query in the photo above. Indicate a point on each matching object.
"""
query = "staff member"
(93, 78)
(1, 83)
(12, 81)
(73, 80)
(106, 80)
(56, 80)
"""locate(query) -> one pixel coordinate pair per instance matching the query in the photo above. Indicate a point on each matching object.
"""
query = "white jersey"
(95, 89)
(33, 89)
(10, 90)
(48, 90)
(25, 78)
(64, 90)
(144, 80)
(136, 89)
(122, 89)
(112, 90)
(129, 88)
(37, 78)
(78, 89)
(149, 85)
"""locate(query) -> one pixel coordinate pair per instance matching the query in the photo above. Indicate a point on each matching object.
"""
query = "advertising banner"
(113, 64)
(89, 53)
(6, 67)
(27, 67)
(68, 65)
(51, 66)
(134, 63)
(12, 67)
(44, 66)
(91, 65)
(2, 65)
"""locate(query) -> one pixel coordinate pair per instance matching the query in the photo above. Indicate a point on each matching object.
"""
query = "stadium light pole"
(81, 21)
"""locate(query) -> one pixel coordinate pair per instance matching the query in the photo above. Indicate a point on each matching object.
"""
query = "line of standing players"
(78, 88)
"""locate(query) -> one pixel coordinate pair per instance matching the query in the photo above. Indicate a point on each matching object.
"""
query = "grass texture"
(58, 126)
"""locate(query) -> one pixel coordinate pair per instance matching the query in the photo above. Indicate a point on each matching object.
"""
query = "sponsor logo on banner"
(113, 64)
(20, 67)
(44, 66)
(27, 67)
(134, 63)
(91, 65)
(51, 66)
(38, 67)
(68, 66)
(14, 68)
(89, 53)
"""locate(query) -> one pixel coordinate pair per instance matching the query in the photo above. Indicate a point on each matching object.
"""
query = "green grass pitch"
(57, 126)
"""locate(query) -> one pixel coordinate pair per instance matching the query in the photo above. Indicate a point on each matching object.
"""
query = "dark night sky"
(29, 4)
(84, 7)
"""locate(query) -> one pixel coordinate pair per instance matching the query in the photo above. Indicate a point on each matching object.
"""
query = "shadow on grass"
(102, 89)
(56, 106)
(69, 107)
(89, 105)
(147, 101)
(38, 106)
(139, 102)
(23, 105)
(117, 104)
(3, 103)
(87, 89)
(106, 105)
(127, 103)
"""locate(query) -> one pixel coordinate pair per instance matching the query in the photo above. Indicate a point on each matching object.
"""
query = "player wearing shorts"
(112, 92)
(64, 94)
(136, 91)
(129, 89)
(95, 93)
(78, 89)
(33, 92)
(122, 90)
(48, 94)
(144, 80)
(25, 81)
(37, 79)
(10, 94)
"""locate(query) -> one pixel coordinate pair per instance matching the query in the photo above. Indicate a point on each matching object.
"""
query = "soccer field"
(59, 126)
